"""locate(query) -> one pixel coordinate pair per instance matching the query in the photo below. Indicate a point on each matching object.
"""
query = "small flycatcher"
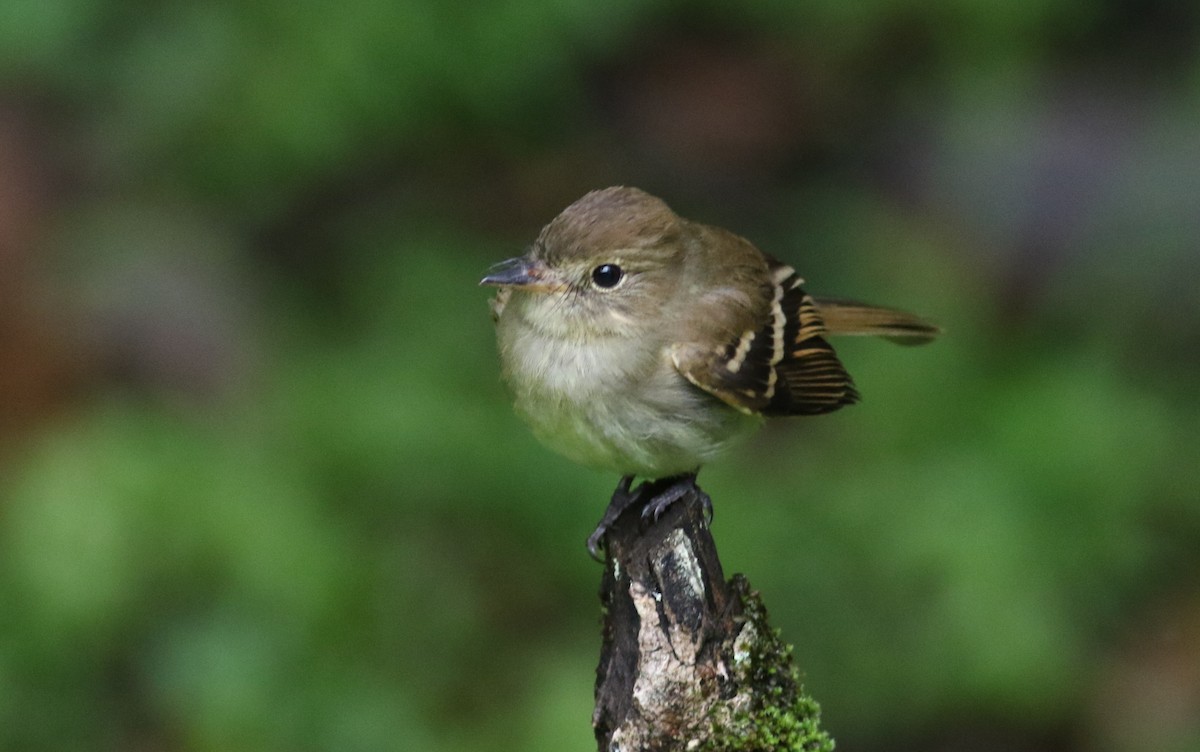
(636, 341)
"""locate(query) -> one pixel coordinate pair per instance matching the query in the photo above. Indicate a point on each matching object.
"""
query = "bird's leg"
(622, 499)
(660, 494)
(676, 488)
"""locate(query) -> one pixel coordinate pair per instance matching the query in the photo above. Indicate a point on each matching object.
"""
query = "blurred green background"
(261, 488)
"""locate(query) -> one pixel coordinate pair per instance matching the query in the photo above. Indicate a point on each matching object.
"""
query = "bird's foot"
(622, 499)
(676, 488)
(659, 496)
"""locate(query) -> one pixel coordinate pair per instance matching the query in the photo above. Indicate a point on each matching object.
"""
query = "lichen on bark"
(689, 660)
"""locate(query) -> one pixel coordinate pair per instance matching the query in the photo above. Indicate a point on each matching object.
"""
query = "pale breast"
(614, 403)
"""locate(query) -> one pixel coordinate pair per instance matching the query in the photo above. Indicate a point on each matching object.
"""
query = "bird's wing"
(781, 366)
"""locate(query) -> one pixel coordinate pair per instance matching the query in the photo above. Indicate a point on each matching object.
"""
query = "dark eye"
(607, 275)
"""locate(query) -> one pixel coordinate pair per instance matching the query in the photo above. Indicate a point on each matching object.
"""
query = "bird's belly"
(620, 407)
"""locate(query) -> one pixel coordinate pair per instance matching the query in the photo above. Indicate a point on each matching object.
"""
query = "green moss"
(781, 717)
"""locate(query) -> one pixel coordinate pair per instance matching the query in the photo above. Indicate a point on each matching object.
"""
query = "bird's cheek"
(552, 315)
(621, 321)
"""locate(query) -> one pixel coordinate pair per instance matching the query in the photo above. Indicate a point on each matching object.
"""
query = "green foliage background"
(261, 488)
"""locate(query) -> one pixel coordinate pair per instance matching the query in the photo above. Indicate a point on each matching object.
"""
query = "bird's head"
(601, 267)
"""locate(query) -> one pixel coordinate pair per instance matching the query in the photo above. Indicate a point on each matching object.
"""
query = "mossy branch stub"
(689, 661)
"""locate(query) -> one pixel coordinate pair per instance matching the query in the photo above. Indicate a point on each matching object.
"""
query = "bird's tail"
(850, 317)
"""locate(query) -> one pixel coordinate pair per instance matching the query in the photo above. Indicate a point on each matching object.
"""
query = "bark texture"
(688, 660)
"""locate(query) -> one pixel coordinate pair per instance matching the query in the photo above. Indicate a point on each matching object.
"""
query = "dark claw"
(659, 503)
(593, 543)
(662, 494)
(678, 487)
(622, 499)
(705, 503)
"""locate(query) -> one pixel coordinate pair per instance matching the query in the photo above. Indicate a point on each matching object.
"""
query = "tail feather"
(851, 317)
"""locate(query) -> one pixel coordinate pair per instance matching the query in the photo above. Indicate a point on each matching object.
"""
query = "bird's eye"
(607, 275)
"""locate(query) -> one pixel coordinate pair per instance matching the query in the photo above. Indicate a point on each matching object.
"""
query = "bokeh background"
(261, 488)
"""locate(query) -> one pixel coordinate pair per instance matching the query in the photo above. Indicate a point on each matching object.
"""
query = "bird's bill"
(524, 273)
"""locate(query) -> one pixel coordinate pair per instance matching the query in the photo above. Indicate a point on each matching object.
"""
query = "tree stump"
(689, 661)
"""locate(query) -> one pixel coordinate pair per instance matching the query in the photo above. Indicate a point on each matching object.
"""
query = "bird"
(636, 341)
